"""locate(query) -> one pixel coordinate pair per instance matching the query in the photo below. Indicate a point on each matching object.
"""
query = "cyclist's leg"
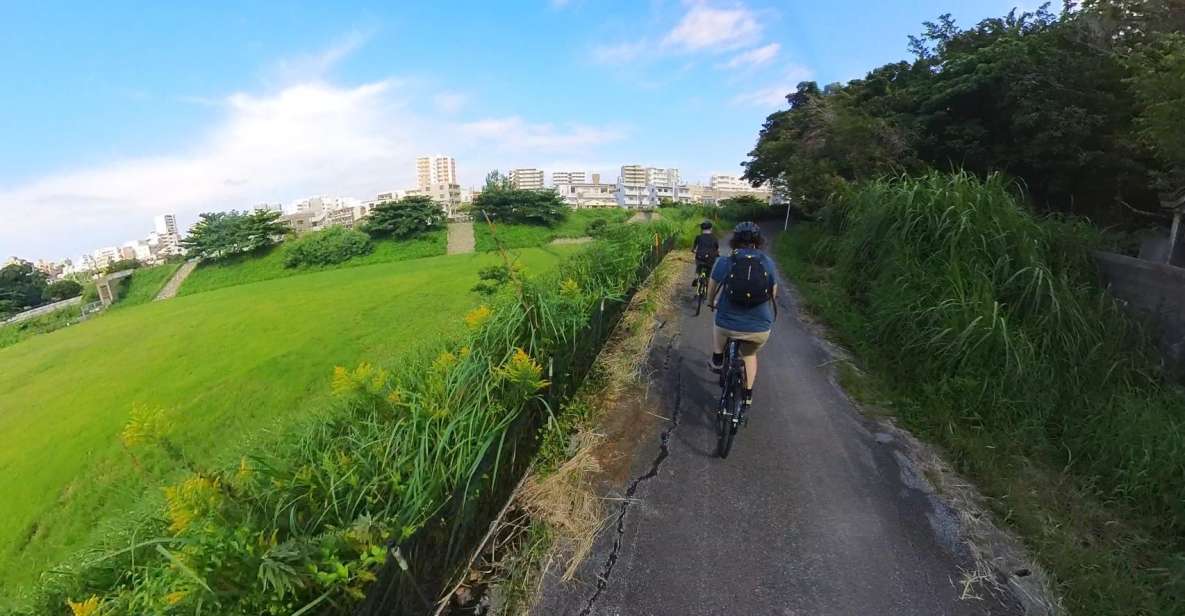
(719, 339)
(751, 343)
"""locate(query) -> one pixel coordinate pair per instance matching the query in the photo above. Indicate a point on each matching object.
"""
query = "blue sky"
(112, 112)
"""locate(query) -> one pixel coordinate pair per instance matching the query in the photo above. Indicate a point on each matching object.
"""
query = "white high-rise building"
(438, 169)
(729, 183)
(166, 223)
(526, 179)
(106, 256)
(567, 177)
(662, 177)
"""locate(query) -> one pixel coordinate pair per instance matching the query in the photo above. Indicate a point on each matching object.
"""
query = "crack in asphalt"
(664, 452)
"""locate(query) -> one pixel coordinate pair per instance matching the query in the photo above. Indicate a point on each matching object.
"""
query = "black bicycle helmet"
(747, 233)
(705, 225)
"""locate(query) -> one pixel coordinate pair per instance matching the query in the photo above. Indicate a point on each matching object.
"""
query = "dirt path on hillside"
(174, 284)
(460, 238)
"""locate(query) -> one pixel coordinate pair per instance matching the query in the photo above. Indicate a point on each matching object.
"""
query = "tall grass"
(528, 236)
(15, 332)
(145, 283)
(302, 527)
(997, 340)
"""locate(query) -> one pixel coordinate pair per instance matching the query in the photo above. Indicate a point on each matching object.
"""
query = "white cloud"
(619, 53)
(303, 139)
(707, 28)
(754, 57)
(514, 133)
(774, 95)
(450, 102)
(317, 65)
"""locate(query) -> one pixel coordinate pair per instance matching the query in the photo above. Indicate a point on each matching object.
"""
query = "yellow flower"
(176, 597)
(244, 472)
(363, 378)
(523, 371)
(477, 316)
(394, 397)
(464, 352)
(444, 361)
(89, 607)
(147, 424)
(191, 500)
(569, 287)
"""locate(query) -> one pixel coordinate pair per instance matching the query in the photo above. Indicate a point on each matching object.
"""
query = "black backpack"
(749, 283)
(706, 248)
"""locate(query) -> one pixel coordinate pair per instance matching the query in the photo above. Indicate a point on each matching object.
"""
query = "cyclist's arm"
(713, 289)
(773, 299)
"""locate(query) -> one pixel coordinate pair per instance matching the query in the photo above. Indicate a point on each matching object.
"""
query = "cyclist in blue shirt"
(745, 284)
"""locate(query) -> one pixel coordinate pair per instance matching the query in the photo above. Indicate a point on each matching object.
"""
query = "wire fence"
(421, 568)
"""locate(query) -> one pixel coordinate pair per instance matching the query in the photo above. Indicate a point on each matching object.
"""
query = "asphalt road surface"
(814, 512)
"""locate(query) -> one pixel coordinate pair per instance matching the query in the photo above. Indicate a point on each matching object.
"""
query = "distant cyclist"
(746, 287)
(706, 249)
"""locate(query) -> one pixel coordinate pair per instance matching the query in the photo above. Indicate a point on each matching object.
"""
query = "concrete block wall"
(1153, 290)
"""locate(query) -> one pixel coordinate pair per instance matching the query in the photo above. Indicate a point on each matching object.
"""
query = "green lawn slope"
(246, 269)
(227, 364)
(527, 236)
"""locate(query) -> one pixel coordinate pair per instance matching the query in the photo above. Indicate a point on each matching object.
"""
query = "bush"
(63, 289)
(407, 218)
(333, 245)
(595, 227)
(121, 265)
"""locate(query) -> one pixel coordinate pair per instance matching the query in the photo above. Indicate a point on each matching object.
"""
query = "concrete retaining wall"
(1152, 290)
(41, 310)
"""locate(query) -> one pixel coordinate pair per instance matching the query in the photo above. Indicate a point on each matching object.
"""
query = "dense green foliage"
(227, 365)
(406, 218)
(142, 286)
(575, 225)
(62, 289)
(1078, 106)
(269, 263)
(328, 247)
(503, 204)
(13, 333)
(303, 523)
(1018, 361)
(222, 234)
(21, 288)
(122, 265)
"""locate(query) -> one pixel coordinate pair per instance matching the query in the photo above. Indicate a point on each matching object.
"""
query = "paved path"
(814, 513)
(460, 238)
(174, 284)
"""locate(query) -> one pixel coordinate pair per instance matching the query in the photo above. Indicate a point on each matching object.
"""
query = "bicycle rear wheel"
(725, 429)
(699, 297)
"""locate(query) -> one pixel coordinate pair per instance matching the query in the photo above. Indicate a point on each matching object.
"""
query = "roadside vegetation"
(1021, 366)
(142, 286)
(303, 523)
(13, 333)
(225, 367)
(577, 223)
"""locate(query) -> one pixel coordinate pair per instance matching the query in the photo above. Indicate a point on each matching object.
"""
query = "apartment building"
(729, 183)
(567, 177)
(662, 177)
(526, 179)
(639, 186)
(438, 169)
(106, 256)
(588, 194)
(448, 195)
(166, 223)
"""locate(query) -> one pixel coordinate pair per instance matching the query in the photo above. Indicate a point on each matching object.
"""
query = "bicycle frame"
(730, 414)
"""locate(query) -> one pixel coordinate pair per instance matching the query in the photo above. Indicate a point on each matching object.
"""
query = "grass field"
(226, 364)
(16, 332)
(145, 283)
(528, 236)
(255, 268)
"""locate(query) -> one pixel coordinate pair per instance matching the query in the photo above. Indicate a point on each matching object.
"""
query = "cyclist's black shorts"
(703, 267)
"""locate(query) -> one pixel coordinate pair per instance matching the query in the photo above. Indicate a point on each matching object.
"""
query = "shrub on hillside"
(333, 245)
(63, 289)
(122, 265)
(220, 234)
(406, 218)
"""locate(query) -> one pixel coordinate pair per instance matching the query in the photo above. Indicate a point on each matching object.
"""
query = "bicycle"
(702, 290)
(731, 413)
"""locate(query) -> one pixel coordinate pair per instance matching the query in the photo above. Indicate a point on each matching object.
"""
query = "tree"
(21, 287)
(496, 181)
(409, 217)
(219, 234)
(532, 207)
(63, 289)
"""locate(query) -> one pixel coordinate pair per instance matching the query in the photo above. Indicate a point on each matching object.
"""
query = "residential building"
(432, 170)
(588, 194)
(729, 183)
(526, 179)
(303, 221)
(707, 195)
(269, 207)
(49, 268)
(446, 194)
(662, 177)
(105, 256)
(567, 177)
(166, 223)
(639, 186)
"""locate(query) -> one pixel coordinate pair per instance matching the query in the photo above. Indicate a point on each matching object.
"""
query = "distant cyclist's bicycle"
(701, 283)
(731, 413)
